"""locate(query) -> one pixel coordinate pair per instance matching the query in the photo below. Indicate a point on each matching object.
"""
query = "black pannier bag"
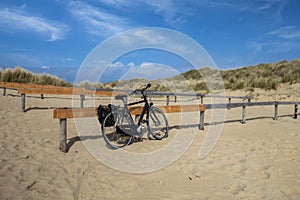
(103, 111)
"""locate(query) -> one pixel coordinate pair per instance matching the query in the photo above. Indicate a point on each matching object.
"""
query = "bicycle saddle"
(120, 96)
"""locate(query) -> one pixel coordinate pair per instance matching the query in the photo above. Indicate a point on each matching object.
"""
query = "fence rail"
(24, 89)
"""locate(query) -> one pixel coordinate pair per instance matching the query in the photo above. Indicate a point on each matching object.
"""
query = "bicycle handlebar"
(141, 90)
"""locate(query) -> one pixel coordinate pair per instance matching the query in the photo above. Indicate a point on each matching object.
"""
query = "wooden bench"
(64, 114)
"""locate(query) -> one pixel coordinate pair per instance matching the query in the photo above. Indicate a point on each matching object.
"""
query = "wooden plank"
(92, 112)
(171, 109)
(183, 108)
(68, 91)
(74, 113)
(14, 85)
(62, 91)
(108, 92)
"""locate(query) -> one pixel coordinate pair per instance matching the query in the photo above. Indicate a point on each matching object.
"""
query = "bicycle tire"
(113, 138)
(157, 123)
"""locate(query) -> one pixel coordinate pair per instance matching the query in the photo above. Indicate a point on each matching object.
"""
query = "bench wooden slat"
(182, 108)
(92, 112)
(74, 113)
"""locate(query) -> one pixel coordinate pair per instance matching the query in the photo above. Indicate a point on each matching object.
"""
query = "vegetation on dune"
(265, 76)
(20, 75)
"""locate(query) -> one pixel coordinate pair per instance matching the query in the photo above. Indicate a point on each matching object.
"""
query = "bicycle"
(125, 129)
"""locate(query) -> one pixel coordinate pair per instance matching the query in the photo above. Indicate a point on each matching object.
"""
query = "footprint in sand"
(235, 188)
(264, 173)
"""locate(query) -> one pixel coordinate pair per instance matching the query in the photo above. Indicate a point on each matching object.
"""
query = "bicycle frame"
(145, 108)
(126, 112)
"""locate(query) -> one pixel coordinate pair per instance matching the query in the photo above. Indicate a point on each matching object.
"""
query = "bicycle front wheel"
(113, 136)
(157, 123)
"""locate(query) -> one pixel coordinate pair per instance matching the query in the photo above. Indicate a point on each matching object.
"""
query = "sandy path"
(256, 160)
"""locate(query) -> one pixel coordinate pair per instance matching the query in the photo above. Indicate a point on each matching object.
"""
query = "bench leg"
(63, 135)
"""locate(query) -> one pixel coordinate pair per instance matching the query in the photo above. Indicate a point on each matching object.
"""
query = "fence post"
(175, 99)
(276, 111)
(229, 103)
(23, 102)
(167, 100)
(296, 111)
(63, 135)
(4, 91)
(201, 99)
(82, 97)
(201, 124)
(244, 115)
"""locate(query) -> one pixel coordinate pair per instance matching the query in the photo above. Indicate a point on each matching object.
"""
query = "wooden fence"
(25, 89)
(63, 114)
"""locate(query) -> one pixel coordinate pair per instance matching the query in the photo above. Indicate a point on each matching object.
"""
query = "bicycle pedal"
(138, 139)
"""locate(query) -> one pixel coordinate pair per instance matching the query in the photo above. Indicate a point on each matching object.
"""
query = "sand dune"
(256, 160)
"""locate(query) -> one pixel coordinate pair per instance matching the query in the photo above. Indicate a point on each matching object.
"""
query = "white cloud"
(150, 71)
(286, 32)
(117, 3)
(116, 65)
(273, 47)
(145, 36)
(69, 59)
(96, 21)
(166, 9)
(45, 67)
(19, 20)
(131, 65)
(263, 7)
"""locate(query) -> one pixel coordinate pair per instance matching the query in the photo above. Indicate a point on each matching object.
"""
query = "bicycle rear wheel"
(158, 124)
(113, 135)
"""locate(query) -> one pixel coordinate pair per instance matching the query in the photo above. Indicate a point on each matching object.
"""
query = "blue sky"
(55, 36)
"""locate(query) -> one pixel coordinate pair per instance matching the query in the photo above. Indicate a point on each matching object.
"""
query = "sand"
(256, 160)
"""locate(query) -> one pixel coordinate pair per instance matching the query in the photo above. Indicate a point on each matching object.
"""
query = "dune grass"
(20, 75)
(264, 76)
